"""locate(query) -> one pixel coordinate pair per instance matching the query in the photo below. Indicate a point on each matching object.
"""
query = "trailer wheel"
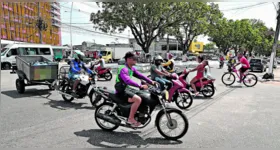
(20, 86)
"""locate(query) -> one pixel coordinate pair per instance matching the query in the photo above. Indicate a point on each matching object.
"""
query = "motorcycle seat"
(116, 99)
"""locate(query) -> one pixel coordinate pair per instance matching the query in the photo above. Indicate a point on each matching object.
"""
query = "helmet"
(100, 55)
(79, 55)
(158, 58)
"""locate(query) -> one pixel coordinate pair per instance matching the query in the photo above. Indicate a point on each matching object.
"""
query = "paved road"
(234, 117)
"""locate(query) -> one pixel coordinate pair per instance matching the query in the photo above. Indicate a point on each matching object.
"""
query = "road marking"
(193, 112)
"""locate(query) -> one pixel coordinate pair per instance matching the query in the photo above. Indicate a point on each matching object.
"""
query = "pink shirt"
(244, 62)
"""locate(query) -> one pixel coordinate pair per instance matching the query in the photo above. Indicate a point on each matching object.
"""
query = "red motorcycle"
(105, 73)
(209, 87)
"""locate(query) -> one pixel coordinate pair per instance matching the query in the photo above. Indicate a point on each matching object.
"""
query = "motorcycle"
(116, 113)
(85, 88)
(178, 93)
(209, 87)
(105, 73)
(221, 64)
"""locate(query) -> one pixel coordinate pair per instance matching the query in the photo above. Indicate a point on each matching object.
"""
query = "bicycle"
(247, 77)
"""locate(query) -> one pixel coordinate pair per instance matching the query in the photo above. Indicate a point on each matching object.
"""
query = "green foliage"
(251, 35)
(209, 46)
(197, 19)
(145, 20)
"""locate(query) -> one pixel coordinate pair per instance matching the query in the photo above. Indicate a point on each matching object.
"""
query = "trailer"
(113, 54)
(35, 70)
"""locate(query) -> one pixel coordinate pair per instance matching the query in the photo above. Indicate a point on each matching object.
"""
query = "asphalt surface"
(235, 117)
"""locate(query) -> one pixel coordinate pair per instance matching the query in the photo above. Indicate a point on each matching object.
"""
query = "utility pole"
(276, 36)
(40, 31)
(71, 30)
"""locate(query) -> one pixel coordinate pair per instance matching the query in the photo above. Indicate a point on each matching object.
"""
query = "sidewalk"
(276, 80)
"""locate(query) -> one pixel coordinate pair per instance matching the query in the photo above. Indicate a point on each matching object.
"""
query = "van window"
(32, 51)
(109, 53)
(28, 51)
(45, 51)
(13, 52)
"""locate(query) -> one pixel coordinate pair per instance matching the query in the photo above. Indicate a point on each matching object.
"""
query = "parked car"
(258, 64)
(121, 61)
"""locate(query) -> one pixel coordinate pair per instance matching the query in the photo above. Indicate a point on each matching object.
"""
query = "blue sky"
(265, 12)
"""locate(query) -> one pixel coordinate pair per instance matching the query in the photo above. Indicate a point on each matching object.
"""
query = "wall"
(18, 23)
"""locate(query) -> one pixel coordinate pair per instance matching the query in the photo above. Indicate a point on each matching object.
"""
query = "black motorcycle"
(221, 64)
(114, 113)
(64, 85)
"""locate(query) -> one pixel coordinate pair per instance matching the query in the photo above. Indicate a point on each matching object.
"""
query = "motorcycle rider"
(100, 61)
(157, 72)
(245, 65)
(123, 80)
(221, 60)
(200, 73)
(76, 66)
(170, 64)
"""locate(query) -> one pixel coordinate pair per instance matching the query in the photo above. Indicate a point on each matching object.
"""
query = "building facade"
(18, 22)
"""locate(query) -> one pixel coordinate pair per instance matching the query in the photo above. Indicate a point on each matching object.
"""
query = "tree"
(197, 18)
(209, 46)
(221, 34)
(145, 20)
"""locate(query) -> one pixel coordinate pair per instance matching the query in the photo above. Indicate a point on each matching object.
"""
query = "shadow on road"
(28, 93)
(235, 86)
(62, 105)
(105, 139)
(200, 97)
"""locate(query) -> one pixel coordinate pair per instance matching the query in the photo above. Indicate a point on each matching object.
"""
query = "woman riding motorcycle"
(123, 79)
(200, 73)
(76, 67)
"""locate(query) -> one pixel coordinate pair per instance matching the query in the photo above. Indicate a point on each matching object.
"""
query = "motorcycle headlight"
(165, 95)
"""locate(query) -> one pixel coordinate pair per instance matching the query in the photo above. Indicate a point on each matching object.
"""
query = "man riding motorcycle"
(100, 61)
(76, 67)
(170, 64)
(123, 79)
(157, 73)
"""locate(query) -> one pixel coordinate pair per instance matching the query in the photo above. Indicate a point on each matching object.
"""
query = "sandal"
(134, 124)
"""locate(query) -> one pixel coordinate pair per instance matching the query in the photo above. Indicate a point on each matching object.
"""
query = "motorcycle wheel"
(108, 76)
(186, 100)
(95, 100)
(67, 89)
(161, 125)
(101, 122)
(208, 91)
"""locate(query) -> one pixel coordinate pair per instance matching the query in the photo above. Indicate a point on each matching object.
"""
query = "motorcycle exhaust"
(108, 119)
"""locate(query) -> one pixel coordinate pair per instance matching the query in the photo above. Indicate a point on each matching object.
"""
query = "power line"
(245, 7)
(79, 10)
(87, 30)
(242, 11)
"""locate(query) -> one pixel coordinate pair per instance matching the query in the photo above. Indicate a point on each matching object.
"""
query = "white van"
(9, 53)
